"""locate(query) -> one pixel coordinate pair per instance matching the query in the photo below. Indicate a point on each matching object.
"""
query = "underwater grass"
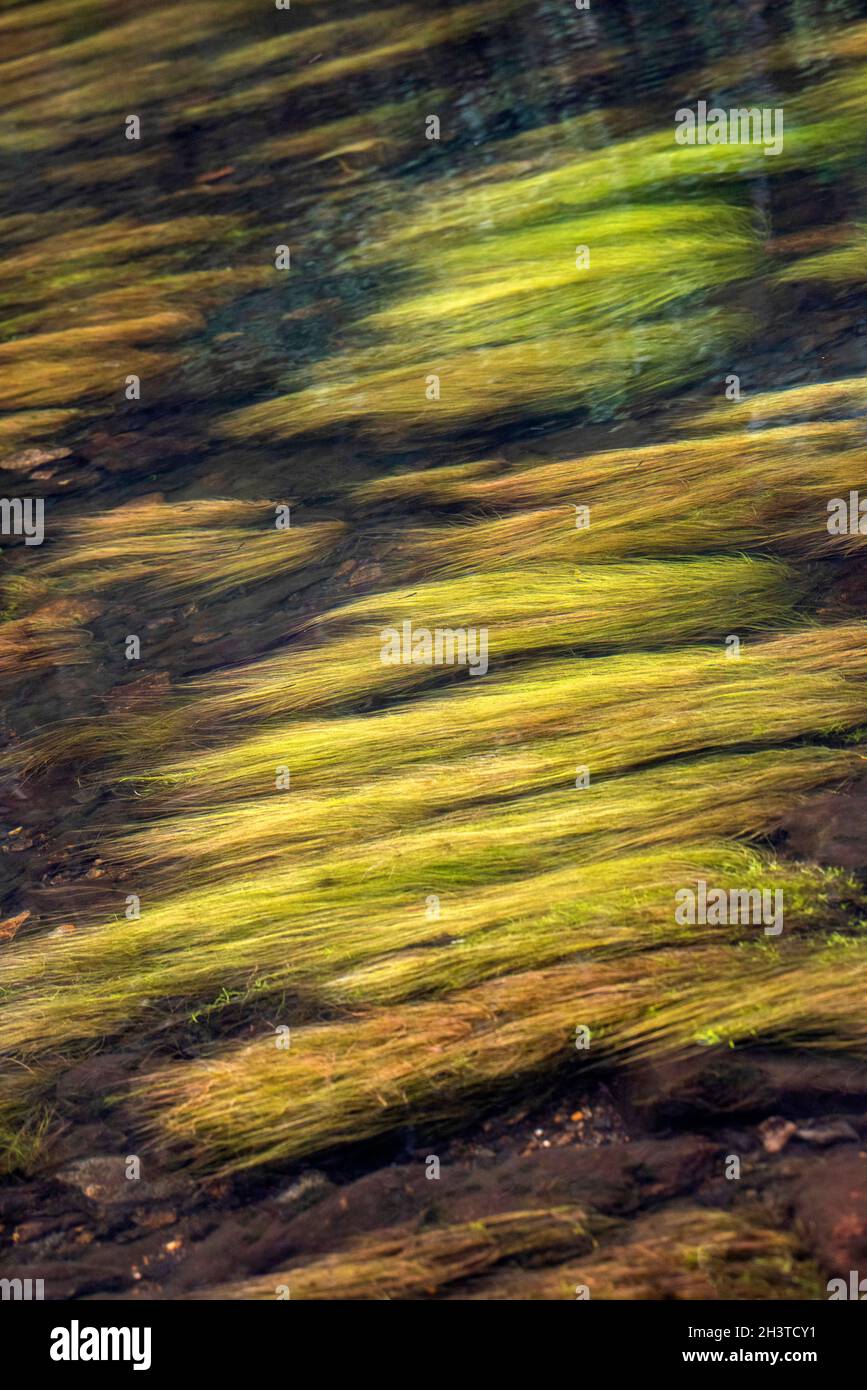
(683, 1252)
(776, 497)
(588, 609)
(67, 84)
(388, 131)
(403, 1264)
(162, 301)
(654, 482)
(52, 636)
(343, 1082)
(843, 266)
(315, 926)
(25, 427)
(847, 395)
(592, 609)
(179, 548)
(597, 369)
(315, 902)
(489, 288)
(608, 816)
(629, 709)
(509, 321)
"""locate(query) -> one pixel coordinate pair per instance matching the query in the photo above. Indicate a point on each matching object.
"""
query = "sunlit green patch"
(512, 887)
(515, 320)
(631, 709)
(260, 836)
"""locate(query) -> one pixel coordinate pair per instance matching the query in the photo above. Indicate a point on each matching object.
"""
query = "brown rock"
(775, 1133)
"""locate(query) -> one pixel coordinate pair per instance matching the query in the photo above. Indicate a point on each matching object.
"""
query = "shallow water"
(495, 253)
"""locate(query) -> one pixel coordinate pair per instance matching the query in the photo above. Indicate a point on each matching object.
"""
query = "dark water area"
(340, 260)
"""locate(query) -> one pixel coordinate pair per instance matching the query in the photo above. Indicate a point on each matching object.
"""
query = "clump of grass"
(49, 364)
(335, 932)
(492, 385)
(590, 610)
(658, 502)
(609, 816)
(845, 265)
(556, 902)
(683, 1252)
(403, 1264)
(847, 396)
(666, 476)
(89, 378)
(22, 1143)
(594, 608)
(180, 548)
(629, 709)
(508, 324)
(343, 1082)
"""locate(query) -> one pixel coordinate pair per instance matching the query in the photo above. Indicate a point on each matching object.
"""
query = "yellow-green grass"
(523, 283)
(316, 899)
(87, 256)
(162, 301)
(509, 319)
(826, 126)
(55, 360)
(179, 548)
(686, 505)
(331, 929)
(394, 814)
(423, 1264)
(597, 369)
(847, 395)
(665, 476)
(586, 610)
(90, 377)
(628, 710)
(342, 1082)
(119, 309)
(24, 1124)
(799, 54)
(682, 1252)
(843, 266)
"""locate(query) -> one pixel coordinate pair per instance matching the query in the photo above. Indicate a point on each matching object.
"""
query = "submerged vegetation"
(251, 821)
